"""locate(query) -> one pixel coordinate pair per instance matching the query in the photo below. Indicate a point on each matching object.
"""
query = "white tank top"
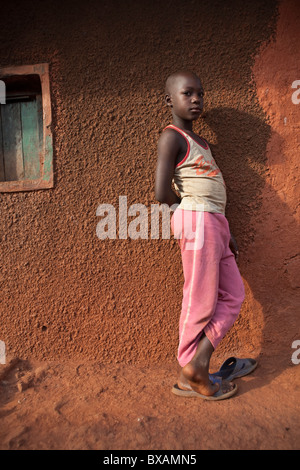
(198, 179)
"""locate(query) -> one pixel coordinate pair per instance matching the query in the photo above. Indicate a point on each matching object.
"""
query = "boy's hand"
(234, 248)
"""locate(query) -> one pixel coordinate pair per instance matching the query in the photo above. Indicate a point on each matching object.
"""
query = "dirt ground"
(90, 406)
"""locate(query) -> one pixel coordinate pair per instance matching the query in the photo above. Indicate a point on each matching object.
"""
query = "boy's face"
(185, 96)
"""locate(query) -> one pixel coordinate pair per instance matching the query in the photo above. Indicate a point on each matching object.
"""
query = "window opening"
(25, 133)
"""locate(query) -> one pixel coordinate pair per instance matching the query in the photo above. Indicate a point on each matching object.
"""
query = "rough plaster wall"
(274, 255)
(64, 292)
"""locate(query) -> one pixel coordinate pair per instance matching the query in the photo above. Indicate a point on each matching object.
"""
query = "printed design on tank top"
(200, 165)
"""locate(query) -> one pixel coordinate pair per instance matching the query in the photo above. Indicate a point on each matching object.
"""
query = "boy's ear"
(168, 100)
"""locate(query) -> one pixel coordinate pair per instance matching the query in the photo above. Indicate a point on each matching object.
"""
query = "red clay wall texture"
(67, 294)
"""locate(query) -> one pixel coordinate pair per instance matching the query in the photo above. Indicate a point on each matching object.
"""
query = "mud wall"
(67, 294)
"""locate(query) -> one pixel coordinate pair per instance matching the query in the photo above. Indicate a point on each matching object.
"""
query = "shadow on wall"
(241, 152)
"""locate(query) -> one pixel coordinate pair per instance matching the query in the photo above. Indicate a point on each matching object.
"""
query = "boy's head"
(184, 94)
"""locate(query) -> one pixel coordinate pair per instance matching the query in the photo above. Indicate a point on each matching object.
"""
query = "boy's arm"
(168, 148)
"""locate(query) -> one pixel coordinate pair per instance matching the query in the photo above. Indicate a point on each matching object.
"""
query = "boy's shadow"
(240, 150)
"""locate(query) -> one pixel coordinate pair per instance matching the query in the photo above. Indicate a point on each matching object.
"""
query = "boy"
(213, 289)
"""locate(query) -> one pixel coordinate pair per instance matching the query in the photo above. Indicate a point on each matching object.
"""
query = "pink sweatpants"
(213, 290)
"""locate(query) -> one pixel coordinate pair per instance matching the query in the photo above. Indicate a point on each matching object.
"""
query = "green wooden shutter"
(21, 125)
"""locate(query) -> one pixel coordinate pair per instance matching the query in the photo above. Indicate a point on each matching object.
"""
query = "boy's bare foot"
(197, 379)
(195, 374)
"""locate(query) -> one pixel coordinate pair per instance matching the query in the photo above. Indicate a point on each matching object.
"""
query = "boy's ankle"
(194, 372)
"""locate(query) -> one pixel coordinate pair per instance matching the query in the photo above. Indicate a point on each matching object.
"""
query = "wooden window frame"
(45, 179)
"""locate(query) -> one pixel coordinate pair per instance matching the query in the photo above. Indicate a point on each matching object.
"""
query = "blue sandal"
(234, 368)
